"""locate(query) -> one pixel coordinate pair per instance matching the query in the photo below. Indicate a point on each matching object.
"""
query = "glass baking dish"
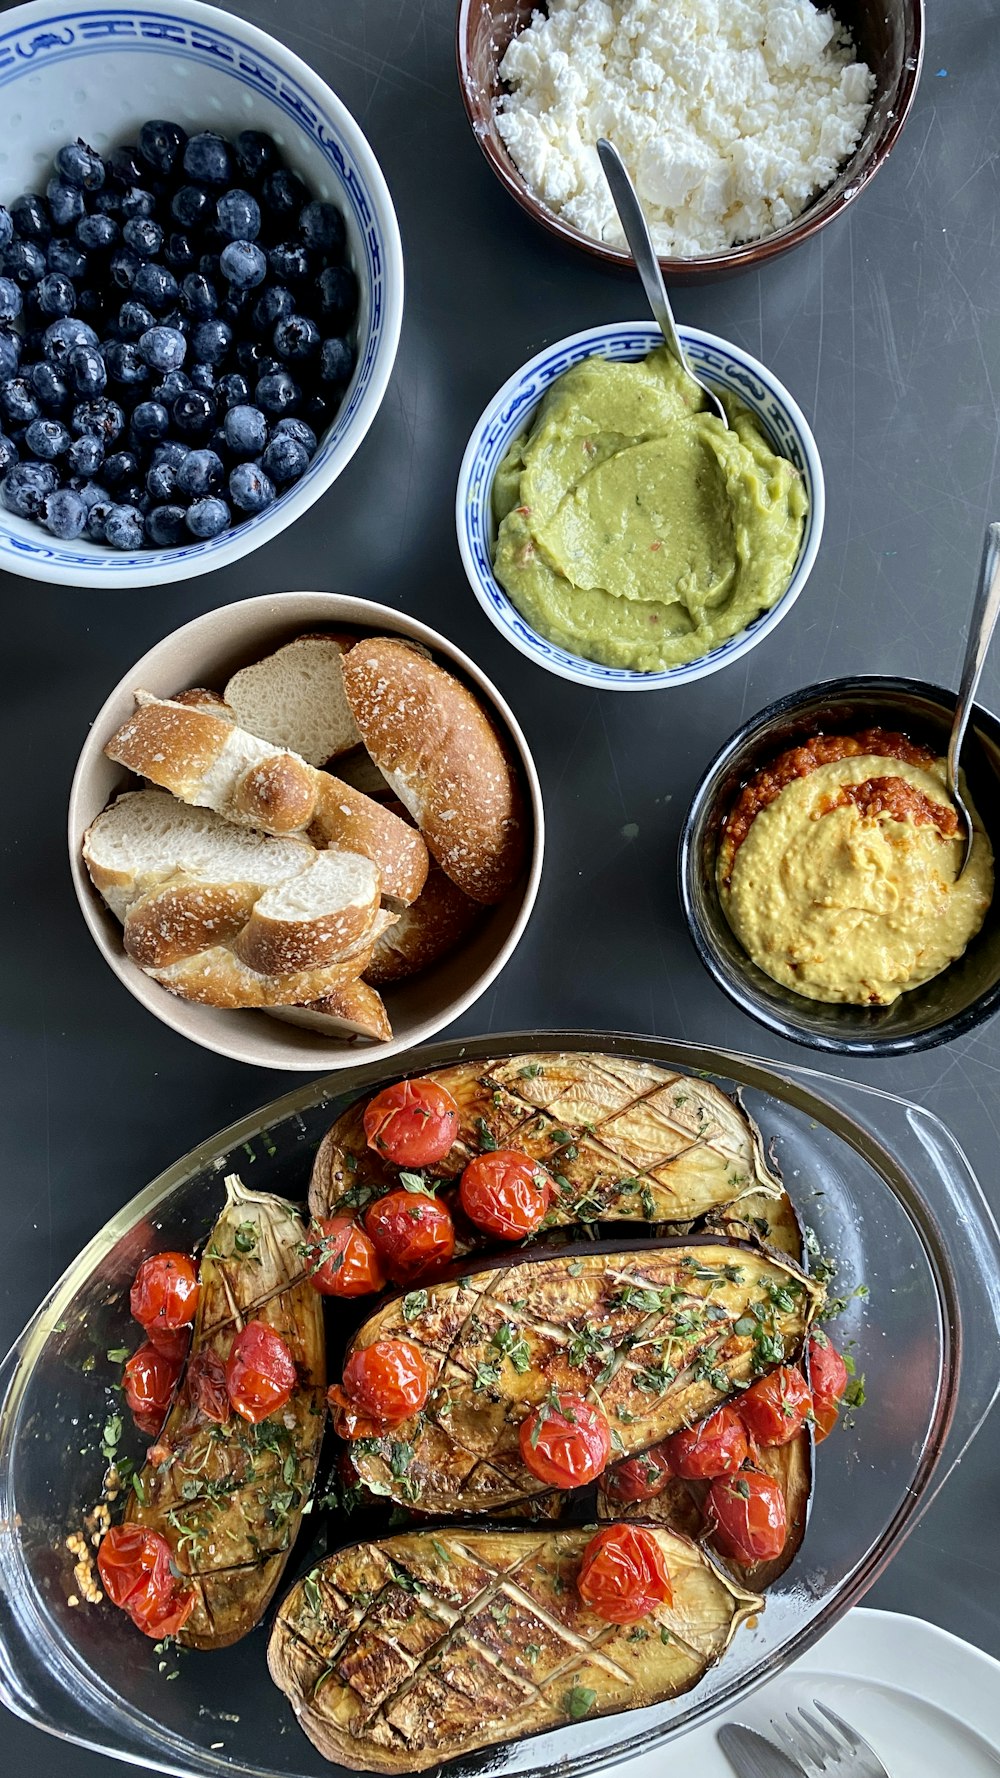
(886, 1188)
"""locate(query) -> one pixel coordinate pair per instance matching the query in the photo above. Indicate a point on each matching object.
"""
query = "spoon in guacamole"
(626, 201)
(985, 612)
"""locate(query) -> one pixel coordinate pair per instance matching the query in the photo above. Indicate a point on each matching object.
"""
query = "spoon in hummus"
(985, 612)
(647, 265)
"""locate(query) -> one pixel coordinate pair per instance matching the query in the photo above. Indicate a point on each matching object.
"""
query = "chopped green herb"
(487, 1140)
(440, 1550)
(414, 1304)
(245, 1238)
(530, 1071)
(415, 1182)
(855, 1394)
(638, 1634)
(664, 1634)
(578, 1701)
(111, 1436)
(118, 1354)
(313, 1597)
(532, 1653)
(139, 1488)
(512, 1343)
(400, 1456)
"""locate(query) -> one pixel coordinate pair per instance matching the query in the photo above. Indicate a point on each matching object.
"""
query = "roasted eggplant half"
(656, 1336)
(622, 1140)
(225, 1493)
(398, 1655)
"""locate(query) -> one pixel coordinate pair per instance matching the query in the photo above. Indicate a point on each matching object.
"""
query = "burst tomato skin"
(413, 1123)
(623, 1576)
(777, 1407)
(745, 1516)
(344, 1259)
(716, 1446)
(640, 1478)
(134, 1566)
(149, 1379)
(384, 1384)
(828, 1376)
(565, 1446)
(164, 1294)
(260, 1372)
(505, 1194)
(205, 1387)
(413, 1234)
(172, 1342)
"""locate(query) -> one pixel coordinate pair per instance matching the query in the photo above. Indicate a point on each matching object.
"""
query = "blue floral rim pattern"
(70, 35)
(725, 368)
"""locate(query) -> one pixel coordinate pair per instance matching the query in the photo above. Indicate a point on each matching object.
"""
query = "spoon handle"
(985, 612)
(641, 247)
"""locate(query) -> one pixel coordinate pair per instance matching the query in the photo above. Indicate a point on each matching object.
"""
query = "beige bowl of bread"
(285, 914)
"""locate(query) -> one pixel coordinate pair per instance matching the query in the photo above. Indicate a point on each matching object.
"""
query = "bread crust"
(272, 943)
(345, 817)
(436, 923)
(185, 917)
(217, 977)
(435, 744)
(355, 1010)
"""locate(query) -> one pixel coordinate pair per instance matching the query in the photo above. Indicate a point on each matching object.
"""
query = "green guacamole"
(633, 527)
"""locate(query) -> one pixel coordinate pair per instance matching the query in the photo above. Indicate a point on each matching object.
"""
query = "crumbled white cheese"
(731, 115)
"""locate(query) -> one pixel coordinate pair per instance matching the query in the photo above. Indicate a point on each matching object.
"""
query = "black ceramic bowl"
(945, 1007)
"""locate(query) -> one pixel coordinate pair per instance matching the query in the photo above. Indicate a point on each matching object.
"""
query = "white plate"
(928, 1702)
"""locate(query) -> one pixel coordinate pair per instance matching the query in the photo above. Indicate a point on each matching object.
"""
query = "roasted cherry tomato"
(777, 1407)
(134, 1566)
(640, 1478)
(413, 1123)
(413, 1234)
(505, 1194)
(205, 1387)
(173, 1342)
(260, 1372)
(623, 1576)
(745, 1516)
(343, 1259)
(165, 1293)
(149, 1380)
(716, 1446)
(565, 1442)
(828, 1376)
(384, 1384)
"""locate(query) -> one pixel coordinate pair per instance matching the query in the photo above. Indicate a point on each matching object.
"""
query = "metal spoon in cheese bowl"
(647, 265)
(985, 612)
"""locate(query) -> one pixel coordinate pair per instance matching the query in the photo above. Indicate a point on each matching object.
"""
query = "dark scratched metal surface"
(886, 328)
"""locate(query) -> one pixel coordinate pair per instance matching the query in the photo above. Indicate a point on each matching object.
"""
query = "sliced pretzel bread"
(314, 918)
(434, 742)
(353, 1011)
(438, 920)
(216, 977)
(345, 817)
(182, 918)
(295, 698)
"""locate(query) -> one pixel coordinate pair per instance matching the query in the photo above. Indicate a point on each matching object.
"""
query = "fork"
(833, 1748)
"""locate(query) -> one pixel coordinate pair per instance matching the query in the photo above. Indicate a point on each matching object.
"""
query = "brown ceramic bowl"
(889, 35)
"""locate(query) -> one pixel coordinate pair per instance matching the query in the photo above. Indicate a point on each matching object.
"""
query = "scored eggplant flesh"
(228, 1497)
(658, 1335)
(400, 1654)
(622, 1140)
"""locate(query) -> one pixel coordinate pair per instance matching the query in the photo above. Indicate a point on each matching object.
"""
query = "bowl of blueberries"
(201, 291)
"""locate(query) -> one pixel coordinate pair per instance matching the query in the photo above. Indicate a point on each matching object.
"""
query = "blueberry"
(319, 410)
(87, 371)
(107, 202)
(154, 285)
(208, 518)
(177, 319)
(203, 377)
(79, 165)
(17, 398)
(96, 516)
(123, 527)
(239, 215)
(59, 339)
(163, 348)
(85, 455)
(322, 228)
(283, 195)
(255, 154)
(133, 319)
(190, 205)
(124, 363)
(297, 429)
(285, 459)
(166, 526)
(137, 202)
(25, 486)
(161, 144)
(98, 234)
(273, 304)
(336, 361)
(30, 217)
(171, 451)
(10, 300)
(198, 297)
(24, 262)
(295, 336)
(8, 454)
(243, 264)
(245, 431)
(65, 202)
(150, 423)
(63, 513)
(236, 308)
(211, 341)
(338, 295)
(277, 394)
(255, 360)
(6, 228)
(193, 412)
(10, 353)
(56, 295)
(173, 384)
(51, 389)
(124, 168)
(161, 480)
(207, 159)
(47, 439)
(179, 253)
(121, 467)
(65, 256)
(91, 305)
(289, 262)
(122, 267)
(101, 419)
(199, 474)
(142, 234)
(232, 390)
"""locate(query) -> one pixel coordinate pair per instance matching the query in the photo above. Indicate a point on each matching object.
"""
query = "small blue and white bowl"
(726, 367)
(99, 72)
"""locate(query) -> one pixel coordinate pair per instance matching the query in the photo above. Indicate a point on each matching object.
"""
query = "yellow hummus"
(845, 904)
(633, 527)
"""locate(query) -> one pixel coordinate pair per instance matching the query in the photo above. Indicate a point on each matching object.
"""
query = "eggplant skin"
(229, 1499)
(623, 1140)
(399, 1655)
(659, 1334)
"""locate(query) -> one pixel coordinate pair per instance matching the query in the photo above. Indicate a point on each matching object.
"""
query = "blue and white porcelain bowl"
(726, 367)
(101, 71)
